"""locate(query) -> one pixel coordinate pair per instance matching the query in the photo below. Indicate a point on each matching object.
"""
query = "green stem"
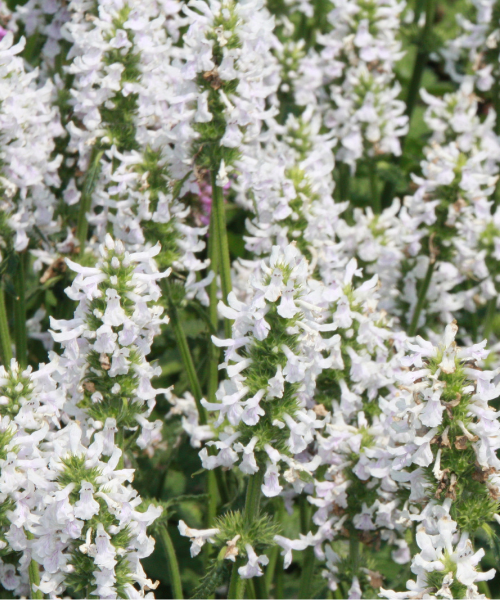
(275, 567)
(34, 573)
(375, 197)
(5, 341)
(236, 585)
(252, 502)
(309, 558)
(211, 512)
(421, 58)
(120, 442)
(187, 359)
(419, 5)
(421, 299)
(484, 588)
(344, 181)
(261, 590)
(306, 578)
(490, 316)
(354, 553)
(271, 567)
(252, 508)
(20, 333)
(279, 587)
(213, 363)
(250, 588)
(82, 225)
(221, 238)
(173, 565)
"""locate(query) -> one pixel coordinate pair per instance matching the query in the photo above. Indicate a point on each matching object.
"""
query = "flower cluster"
(104, 370)
(225, 226)
(446, 438)
(265, 403)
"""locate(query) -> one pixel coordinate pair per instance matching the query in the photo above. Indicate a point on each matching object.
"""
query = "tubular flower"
(104, 370)
(264, 406)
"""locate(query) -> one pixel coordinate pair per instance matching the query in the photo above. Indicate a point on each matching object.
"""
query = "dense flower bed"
(249, 267)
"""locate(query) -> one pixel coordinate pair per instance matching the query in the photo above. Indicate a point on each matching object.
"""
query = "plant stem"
(187, 359)
(34, 573)
(309, 558)
(375, 197)
(421, 299)
(252, 508)
(279, 588)
(20, 333)
(213, 363)
(419, 66)
(271, 567)
(221, 239)
(252, 502)
(421, 58)
(307, 573)
(354, 553)
(250, 588)
(274, 570)
(120, 442)
(5, 341)
(82, 225)
(484, 588)
(490, 316)
(338, 593)
(173, 565)
(211, 512)
(344, 181)
(419, 4)
(260, 585)
(236, 585)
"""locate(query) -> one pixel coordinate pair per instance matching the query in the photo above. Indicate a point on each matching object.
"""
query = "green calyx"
(81, 579)
(462, 478)
(267, 355)
(207, 149)
(259, 532)
(119, 114)
(17, 389)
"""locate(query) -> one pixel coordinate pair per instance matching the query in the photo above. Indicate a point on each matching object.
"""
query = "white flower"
(86, 507)
(288, 546)
(252, 568)
(198, 536)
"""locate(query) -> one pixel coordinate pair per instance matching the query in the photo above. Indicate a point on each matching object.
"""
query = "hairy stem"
(421, 59)
(20, 332)
(237, 584)
(261, 591)
(34, 573)
(375, 196)
(421, 299)
(187, 359)
(491, 309)
(5, 341)
(120, 442)
(309, 558)
(213, 362)
(173, 565)
(82, 225)
(354, 553)
(279, 584)
(252, 509)
(307, 573)
(223, 245)
(344, 181)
